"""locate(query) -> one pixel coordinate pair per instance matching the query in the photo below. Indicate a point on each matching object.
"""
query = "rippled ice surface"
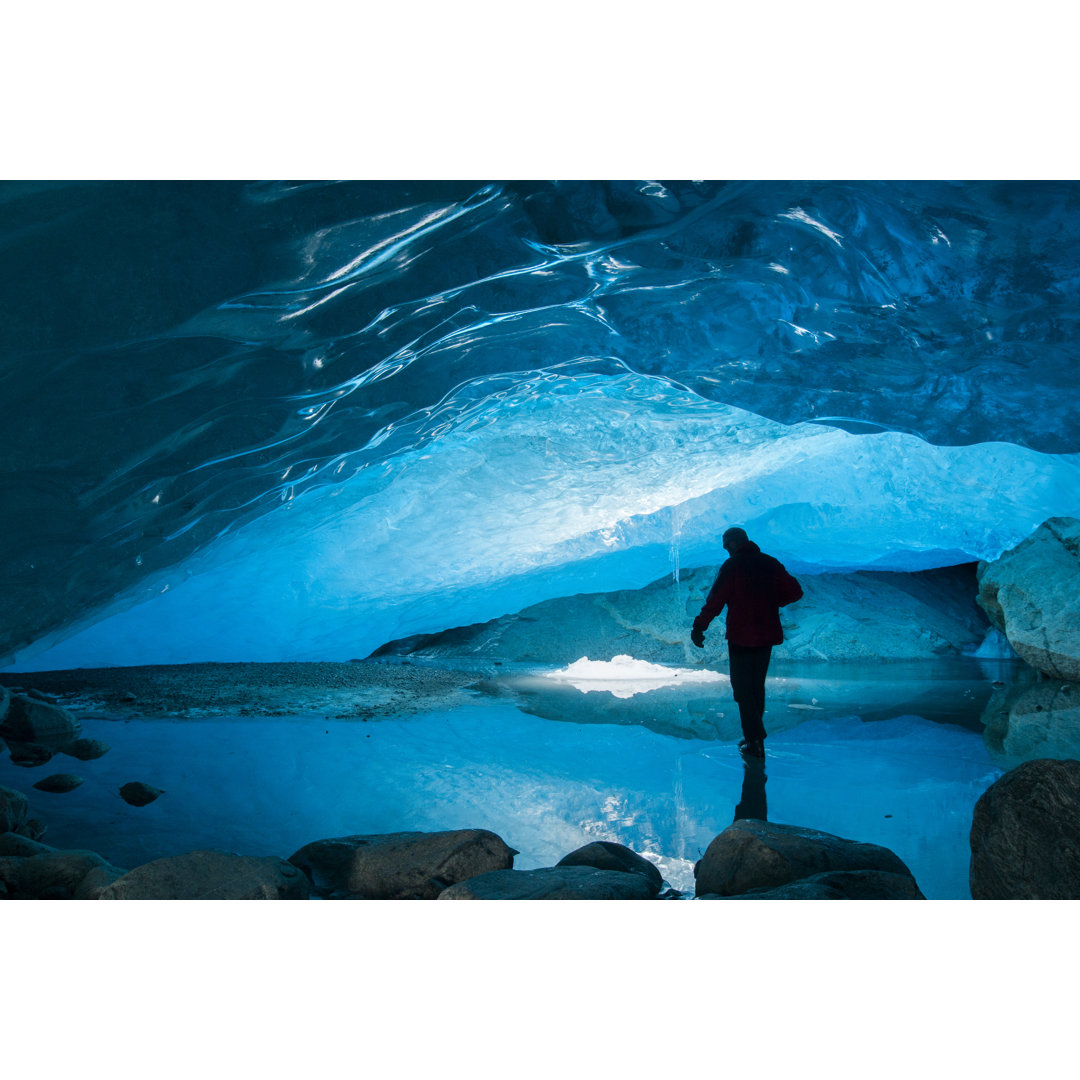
(270, 785)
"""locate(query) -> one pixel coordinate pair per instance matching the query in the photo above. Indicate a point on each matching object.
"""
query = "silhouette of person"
(752, 800)
(753, 586)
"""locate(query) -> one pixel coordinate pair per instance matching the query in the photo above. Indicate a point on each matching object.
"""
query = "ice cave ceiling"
(295, 420)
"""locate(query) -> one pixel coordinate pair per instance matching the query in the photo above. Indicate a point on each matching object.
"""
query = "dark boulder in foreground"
(752, 854)
(837, 885)
(139, 794)
(1025, 834)
(51, 875)
(553, 883)
(400, 866)
(211, 875)
(605, 855)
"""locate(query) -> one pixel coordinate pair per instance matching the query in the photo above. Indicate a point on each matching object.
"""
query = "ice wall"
(294, 421)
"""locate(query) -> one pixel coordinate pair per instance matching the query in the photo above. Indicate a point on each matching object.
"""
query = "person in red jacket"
(753, 586)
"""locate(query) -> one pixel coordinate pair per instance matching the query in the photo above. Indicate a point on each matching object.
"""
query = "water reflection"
(1033, 719)
(752, 802)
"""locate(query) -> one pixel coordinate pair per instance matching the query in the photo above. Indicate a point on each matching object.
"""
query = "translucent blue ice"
(322, 415)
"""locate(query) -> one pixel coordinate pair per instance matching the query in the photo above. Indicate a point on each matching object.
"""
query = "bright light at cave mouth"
(623, 676)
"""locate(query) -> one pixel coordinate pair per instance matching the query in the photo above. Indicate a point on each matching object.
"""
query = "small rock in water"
(59, 783)
(139, 794)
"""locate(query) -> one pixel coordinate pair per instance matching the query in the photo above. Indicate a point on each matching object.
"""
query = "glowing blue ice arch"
(562, 484)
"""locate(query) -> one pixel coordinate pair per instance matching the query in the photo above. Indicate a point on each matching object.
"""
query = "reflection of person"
(753, 586)
(752, 801)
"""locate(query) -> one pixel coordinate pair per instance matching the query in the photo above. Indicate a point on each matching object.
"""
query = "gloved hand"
(698, 637)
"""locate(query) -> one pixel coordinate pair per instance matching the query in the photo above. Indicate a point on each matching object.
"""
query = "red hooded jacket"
(754, 586)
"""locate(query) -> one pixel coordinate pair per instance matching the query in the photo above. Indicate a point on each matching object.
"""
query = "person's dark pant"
(748, 665)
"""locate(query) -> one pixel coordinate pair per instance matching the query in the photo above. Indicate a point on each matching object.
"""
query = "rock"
(12, 843)
(139, 794)
(96, 882)
(837, 885)
(59, 783)
(33, 829)
(30, 720)
(86, 749)
(5, 704)
(752, 854)
(1025, 834)
(400, 866)
(211, 875)
(53, 875)
(1032, 594)
(40, 695)
(605, 855)
(553, 883)
(14, 806)
(29, 755)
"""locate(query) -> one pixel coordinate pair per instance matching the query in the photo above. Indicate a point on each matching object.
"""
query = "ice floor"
(547, 784)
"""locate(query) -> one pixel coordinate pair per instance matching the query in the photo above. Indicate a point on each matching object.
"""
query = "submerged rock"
(1025, 834)
(59, 783)
(605, 855)
(400, 866)
(837, 885)
(139, 794)
(86, 749)
(28, 755)
(1032, 594)
(752, 854)
(210, 875)
(13, 843)
(553, 883)
(14, 807)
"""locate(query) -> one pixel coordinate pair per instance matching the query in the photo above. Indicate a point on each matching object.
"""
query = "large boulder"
(837, 885)
(752, 854)
(553, 883)
(211, 875)
(14, 807)
(605, 855)
(1025, 834)
(1032, 594)
(400, 866)
(31, 720)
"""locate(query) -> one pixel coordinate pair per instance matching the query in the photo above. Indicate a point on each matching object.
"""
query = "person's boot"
(752, 747)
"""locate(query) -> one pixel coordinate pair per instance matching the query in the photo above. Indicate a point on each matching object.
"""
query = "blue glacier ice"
(294, 421)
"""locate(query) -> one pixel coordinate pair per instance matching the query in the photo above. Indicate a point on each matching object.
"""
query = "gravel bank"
(360, 689)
